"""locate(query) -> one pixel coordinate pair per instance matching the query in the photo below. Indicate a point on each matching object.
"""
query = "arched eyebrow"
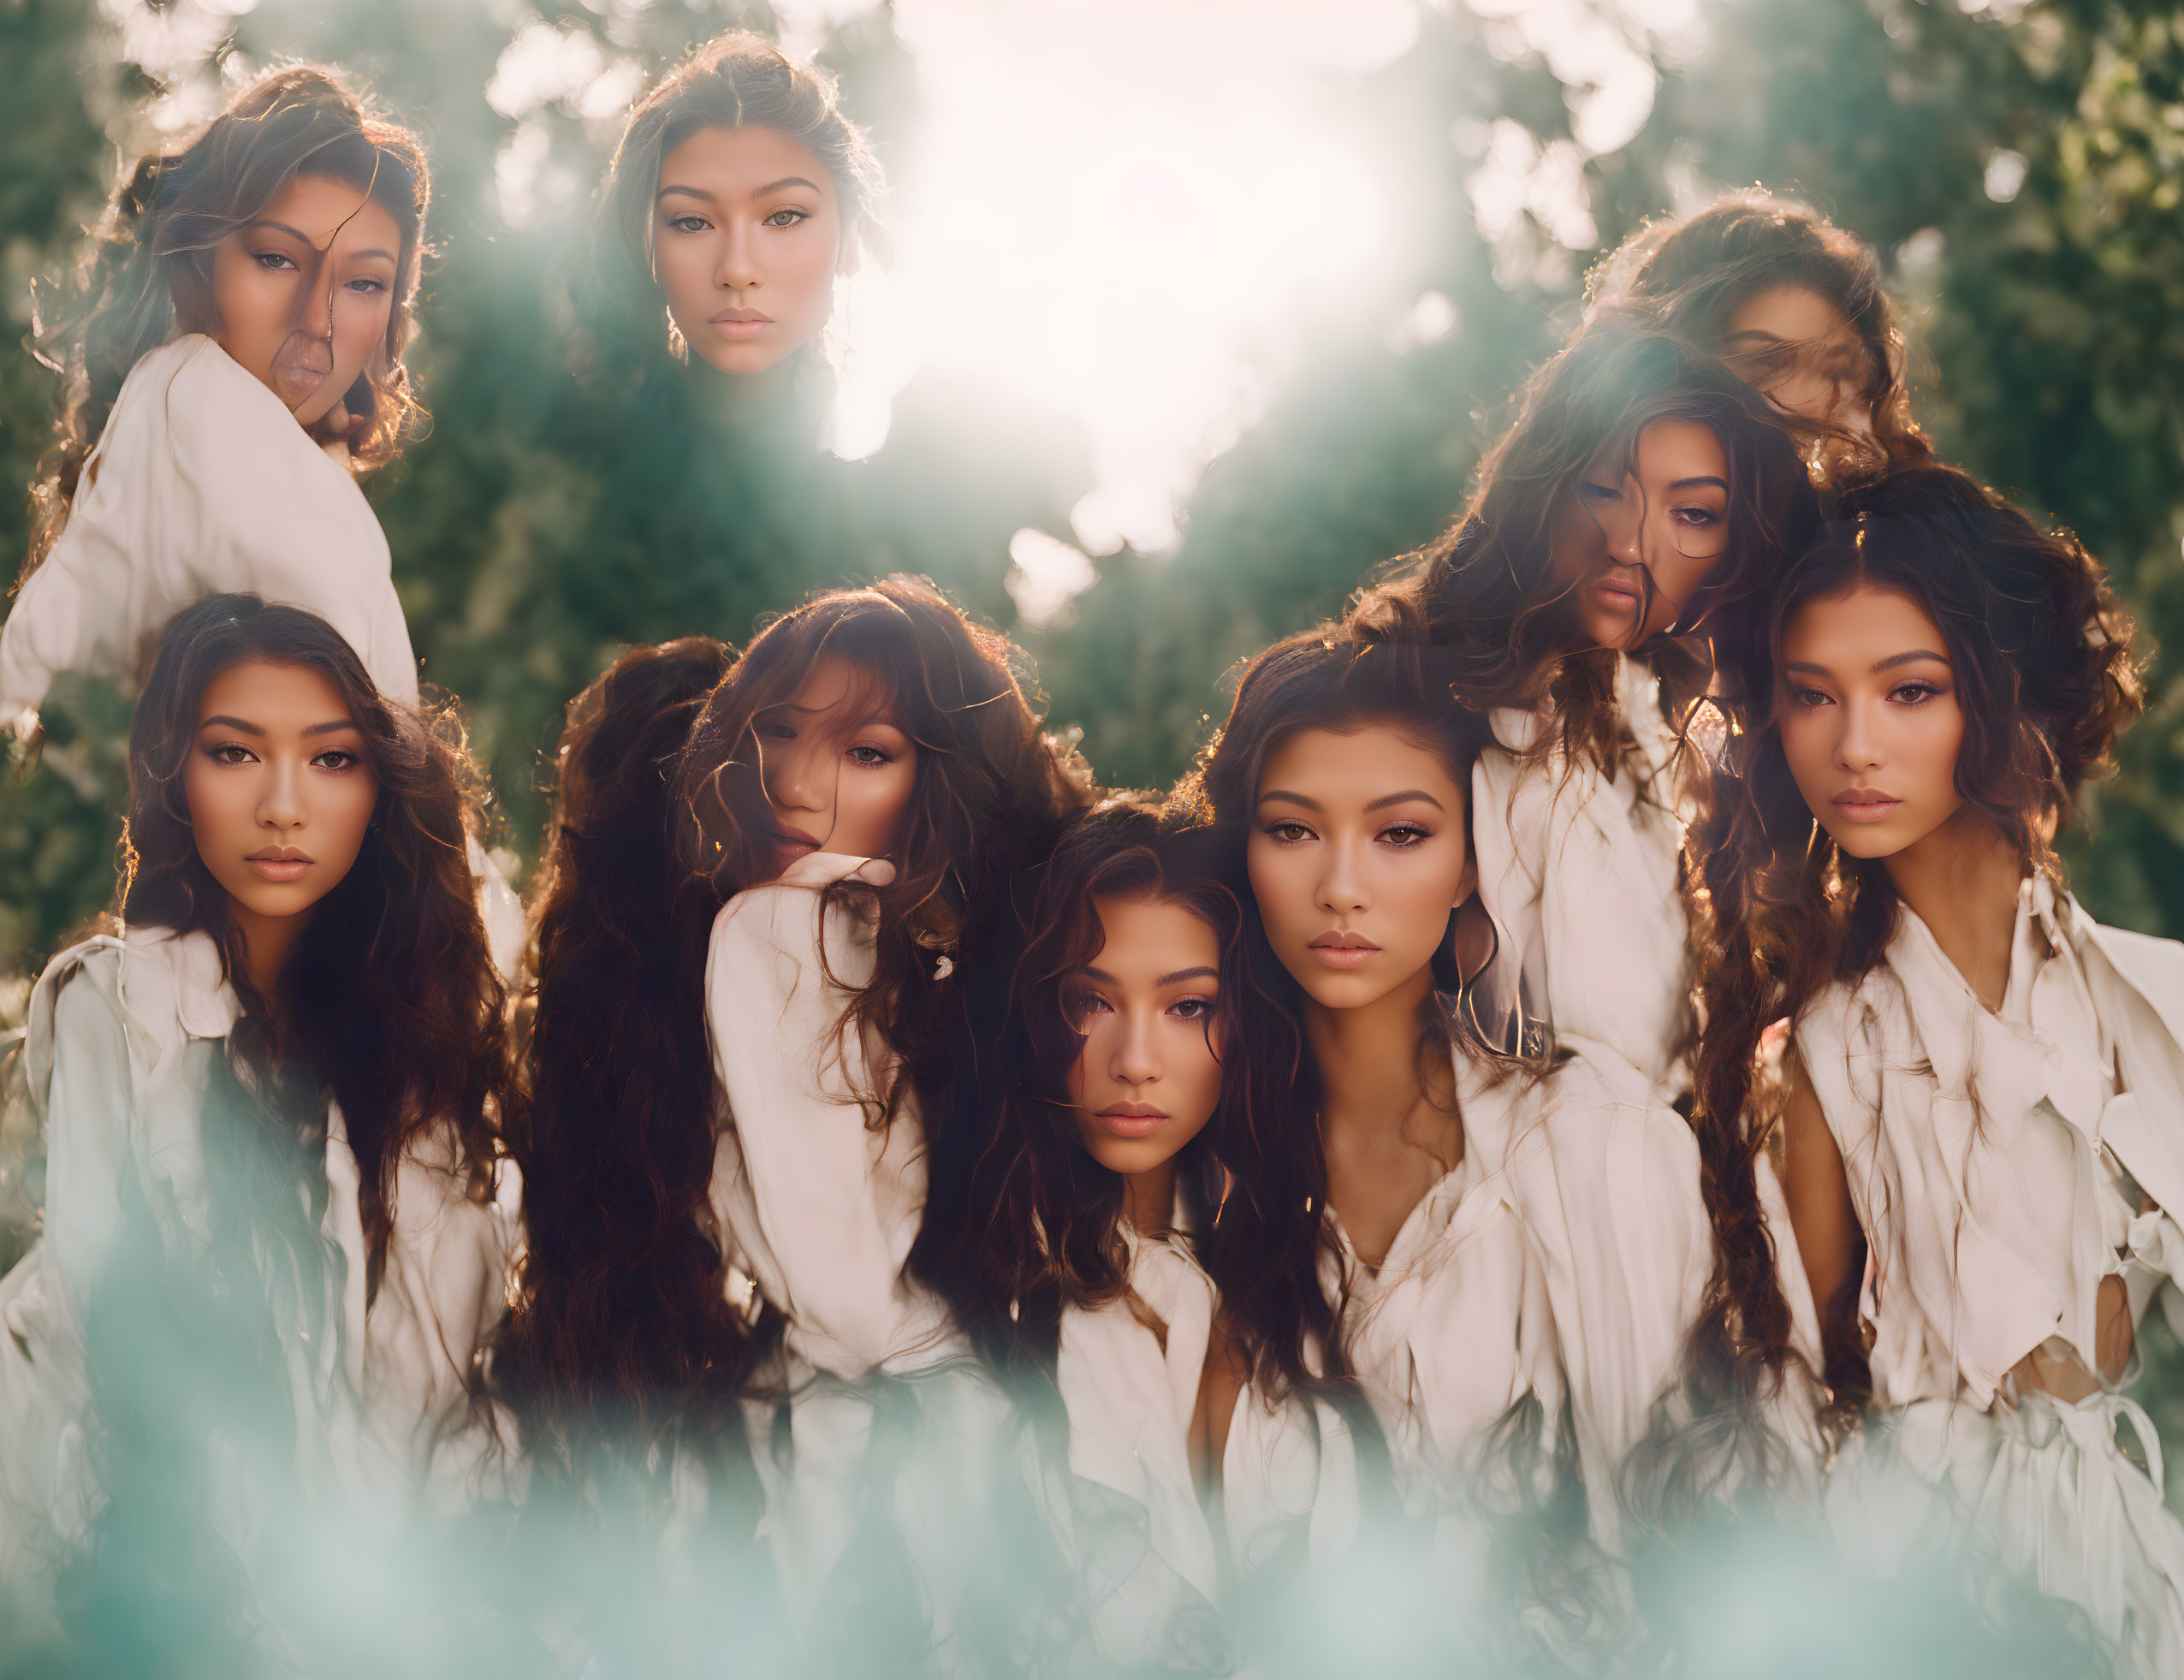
(334, 728)
(1690, 483)
(221, 719)
(1184, 974)
(699, 193)
(773, 187)
(1910, 658)
(305, 240)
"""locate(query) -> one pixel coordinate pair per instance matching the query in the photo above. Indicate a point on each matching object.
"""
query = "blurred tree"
(2018, 164)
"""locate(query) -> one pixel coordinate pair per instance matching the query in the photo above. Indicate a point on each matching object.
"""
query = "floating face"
(1871, 724)
(1666, 515)
(304, 290)
(747, 237)
(1795, 348)
(1357, 856)
(838, 773)
(1149, 1075)
(279, 790)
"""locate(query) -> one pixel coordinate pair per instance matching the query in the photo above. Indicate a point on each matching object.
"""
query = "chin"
(1870, 845)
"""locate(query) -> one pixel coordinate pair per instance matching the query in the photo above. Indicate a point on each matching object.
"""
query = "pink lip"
(279, 863)
(1131, 1119)
(1865, 805)
(1615, 593)
(738, 324)
(1344, 950)
(793, 843)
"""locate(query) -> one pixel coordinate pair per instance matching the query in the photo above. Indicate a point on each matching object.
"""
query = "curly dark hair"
(1488, 588)
(2047, 679)
(663, 821)
(396, 1011)
(589, 1336)
(1020, 1222)
(147, 274)
(1265, 1254)
(1693, 274)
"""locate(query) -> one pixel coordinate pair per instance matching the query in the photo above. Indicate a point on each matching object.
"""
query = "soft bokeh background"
(1196, 310)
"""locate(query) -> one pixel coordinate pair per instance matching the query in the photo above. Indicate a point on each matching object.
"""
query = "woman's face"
(279, 790)
(1149, 1075)
(1795, 348)
(1666, 515)
(1357, 856)
(838, 773)
(746, 239)
(1871, 724)
(304, 292)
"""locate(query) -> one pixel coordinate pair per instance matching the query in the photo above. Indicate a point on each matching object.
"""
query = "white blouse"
(2001, 1167)
(1989, 1156)
(201, 483)
(1147, 1555)
(124, 1033)
(818, 1208)
(1579, 872)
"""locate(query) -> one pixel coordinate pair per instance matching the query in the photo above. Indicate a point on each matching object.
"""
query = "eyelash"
(879, 758)
(348, 761)
(1273, 831)
(698, 225)
(279, 262)
(1082, 1005)
(1812, 698)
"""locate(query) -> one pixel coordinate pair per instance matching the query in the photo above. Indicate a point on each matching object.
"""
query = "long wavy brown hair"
(1488, 587)
(396, 1010)
(1265, 1254)
(622, 1306)
(147, 274)
(2047, 678)
(592, 1337)
(1693, 274)
(1021, 1222)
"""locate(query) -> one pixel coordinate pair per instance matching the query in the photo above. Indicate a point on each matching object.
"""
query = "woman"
(741, 194)
(850, 801)
(270, 1245)
(1070, 1204)
(229, 352)
(1504, 1258)
(1642, 500)
(1981, 1156)
(1793, 305)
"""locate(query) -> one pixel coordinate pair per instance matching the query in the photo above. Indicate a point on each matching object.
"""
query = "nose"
(797, 779)
(315, 299)
(1137, 1059)
(281, 804)
(1622, 525)
(738, 269)
(1342, 887)
(1857, 743)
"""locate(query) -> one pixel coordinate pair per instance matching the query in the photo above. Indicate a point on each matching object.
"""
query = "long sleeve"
(1606, 1180)
(88, 1103)
(202, 483)
(819, 1207)
(409, 1353)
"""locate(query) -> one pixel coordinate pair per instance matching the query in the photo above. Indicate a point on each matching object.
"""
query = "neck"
(1963, 880)
(1369, 1071)
(269, 941)
(1149, 1199)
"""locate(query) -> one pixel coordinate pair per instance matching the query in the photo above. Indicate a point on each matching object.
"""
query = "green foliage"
(549, 517)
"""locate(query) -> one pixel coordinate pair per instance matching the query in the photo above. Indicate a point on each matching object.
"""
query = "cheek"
(348, 810)
(1273, 883)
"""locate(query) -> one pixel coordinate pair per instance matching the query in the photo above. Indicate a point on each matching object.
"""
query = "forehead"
(1346, 771)
(740, 163)
(322, 210)
(273, 695)
(1141, 938)
(836, 686)
(1854, 628)
(1791, 313)
(1673, 449)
